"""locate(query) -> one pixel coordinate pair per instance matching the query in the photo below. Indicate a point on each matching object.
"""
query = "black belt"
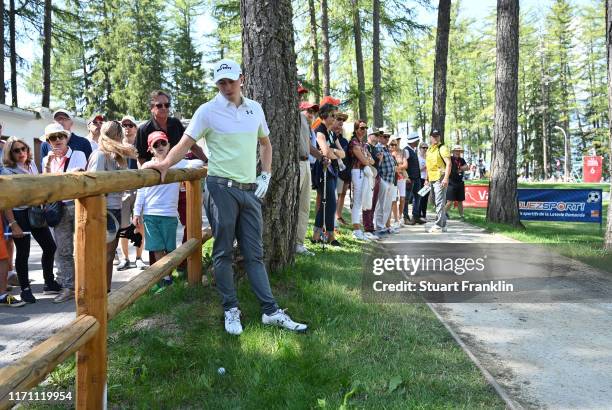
(304, 158)
(231, 183)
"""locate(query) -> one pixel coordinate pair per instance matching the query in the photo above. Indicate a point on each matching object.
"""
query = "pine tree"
(188, 87)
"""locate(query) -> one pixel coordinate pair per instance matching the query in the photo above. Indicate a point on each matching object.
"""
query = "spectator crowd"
(147, 217)
(386, 181)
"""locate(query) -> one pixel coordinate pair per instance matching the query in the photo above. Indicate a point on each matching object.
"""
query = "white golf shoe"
(232, 321)
(281, 319)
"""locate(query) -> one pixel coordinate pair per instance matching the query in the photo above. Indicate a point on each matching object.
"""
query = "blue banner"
(571, 205)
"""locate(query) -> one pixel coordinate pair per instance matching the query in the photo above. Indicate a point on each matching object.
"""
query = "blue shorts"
(160, 233)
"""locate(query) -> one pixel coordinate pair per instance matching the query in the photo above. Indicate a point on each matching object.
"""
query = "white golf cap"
(128, 118)
(54, 128)
(372, 131)
(226, 68)
(62, 111)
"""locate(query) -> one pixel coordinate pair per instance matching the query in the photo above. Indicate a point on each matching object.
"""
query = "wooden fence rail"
(87, 336)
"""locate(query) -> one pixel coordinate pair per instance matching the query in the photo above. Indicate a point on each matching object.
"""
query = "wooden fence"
(86, 335)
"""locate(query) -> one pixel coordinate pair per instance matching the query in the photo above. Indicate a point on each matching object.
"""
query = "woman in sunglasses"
(17, 160)
(62, 158)
(360, 159)
(112, 155)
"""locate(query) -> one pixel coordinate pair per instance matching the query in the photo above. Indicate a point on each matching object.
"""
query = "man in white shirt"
(93, 125)
(232, 126)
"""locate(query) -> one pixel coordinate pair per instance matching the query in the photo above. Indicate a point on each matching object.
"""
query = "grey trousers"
(64, 254)
(440, 200)
(236, 214)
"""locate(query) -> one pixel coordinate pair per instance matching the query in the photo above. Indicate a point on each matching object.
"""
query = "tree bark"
(13, 52)
(363, 110)
(46, 59)
(325, 40)
(2, 89)
(503, 206)
(438, 110)
(270, 78)
(314, 46)
(608, 239)
(376, 75)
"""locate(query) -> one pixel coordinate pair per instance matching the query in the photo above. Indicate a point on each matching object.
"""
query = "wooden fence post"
(194, 229)
(91, 299)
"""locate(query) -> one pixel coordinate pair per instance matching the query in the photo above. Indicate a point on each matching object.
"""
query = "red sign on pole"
(476, 196)
(591, 168)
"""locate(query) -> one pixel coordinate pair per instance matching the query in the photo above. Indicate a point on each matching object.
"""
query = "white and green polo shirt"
(231, 135)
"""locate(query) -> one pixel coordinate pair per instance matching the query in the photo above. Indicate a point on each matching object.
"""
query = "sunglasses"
(128, 125)
(97, 122)
(393, 145)
(159, 143)
(61, 118)
(16, 151)
(55, 137)
(160, 105)
(363, 128)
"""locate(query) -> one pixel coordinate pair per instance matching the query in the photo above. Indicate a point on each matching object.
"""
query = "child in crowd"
(156, 206)
(5, 298)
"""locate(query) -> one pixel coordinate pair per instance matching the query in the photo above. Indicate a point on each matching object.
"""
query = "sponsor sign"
(572, 205)
(591, 168)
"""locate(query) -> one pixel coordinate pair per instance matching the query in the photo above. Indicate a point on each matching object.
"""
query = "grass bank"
(165, 350)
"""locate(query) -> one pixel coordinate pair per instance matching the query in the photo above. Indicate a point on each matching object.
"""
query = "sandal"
(342, 221)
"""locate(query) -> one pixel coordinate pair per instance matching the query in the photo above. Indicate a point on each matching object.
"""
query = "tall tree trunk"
(438, 109)
(363, 110)
(376, 75)
(13, 52)
(314, 46)
(270, 77)
(2, 89)
(86, 82)
(420, 113)
(503, 206)
(325, 39)
(46, 59)
(608, 240)
(544, 93)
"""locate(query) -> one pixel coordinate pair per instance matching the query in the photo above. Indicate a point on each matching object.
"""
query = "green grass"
(165, 350)
(582, 241)
(552, 185)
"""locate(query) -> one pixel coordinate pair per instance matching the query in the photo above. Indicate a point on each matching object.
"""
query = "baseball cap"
(62, 111)
(54, 128)
(307, 105)
(435, 132)
(156, 136)
(95, 117)
(226, 68)
(372, 131)
(128, 118)
(457, 147)
(302, 90)
(329, 100)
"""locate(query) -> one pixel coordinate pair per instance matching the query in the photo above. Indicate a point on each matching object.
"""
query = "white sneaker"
(396, 224)
(281, 319)
(301, 250)
(435, 229)
(140, 264)
(359, 235)
(232, 321)
(371, 236)
(393, 230)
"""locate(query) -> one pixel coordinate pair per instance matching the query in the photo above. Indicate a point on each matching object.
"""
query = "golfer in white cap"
(233, 126)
